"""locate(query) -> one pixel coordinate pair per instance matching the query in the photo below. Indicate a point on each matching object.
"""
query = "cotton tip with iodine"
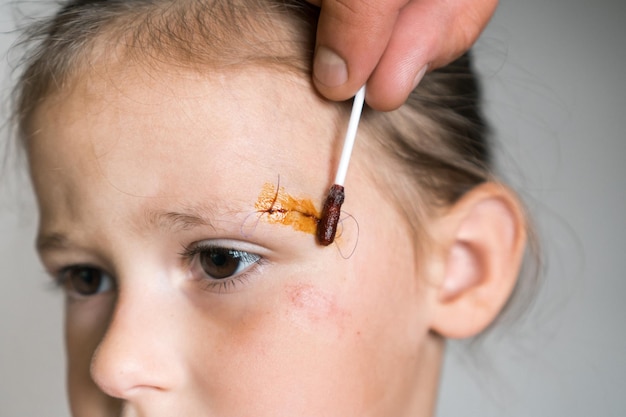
(327, 226)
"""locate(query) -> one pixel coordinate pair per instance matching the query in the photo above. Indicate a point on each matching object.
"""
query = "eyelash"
(63, 277)
(227, 284)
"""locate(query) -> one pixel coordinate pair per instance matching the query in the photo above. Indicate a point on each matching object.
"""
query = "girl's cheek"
(314, 310)
(85, 326)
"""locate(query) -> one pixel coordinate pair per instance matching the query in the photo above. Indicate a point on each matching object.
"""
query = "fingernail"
(419, 76)
(329, 69)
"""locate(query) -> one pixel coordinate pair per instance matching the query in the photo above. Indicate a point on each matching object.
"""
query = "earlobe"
(483, 240)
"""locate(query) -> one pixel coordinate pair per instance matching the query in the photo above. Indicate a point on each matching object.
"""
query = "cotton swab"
(327, 227)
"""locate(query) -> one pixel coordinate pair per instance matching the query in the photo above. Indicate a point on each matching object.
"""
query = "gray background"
(555, 81)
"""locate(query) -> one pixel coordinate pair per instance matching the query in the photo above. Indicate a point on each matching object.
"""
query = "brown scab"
(327, 226)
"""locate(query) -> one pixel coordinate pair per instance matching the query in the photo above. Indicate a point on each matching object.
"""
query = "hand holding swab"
(327, 227)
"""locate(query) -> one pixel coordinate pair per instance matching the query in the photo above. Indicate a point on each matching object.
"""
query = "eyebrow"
(50, 241)
(169, 221)
(176, 221)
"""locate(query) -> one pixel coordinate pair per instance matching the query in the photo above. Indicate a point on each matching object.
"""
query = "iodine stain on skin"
(275, 206)
(282, 208)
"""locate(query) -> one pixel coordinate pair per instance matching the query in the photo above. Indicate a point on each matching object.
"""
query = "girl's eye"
(221, 263)
(85, 281)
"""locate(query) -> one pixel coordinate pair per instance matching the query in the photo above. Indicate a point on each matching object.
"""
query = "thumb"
(351, 38)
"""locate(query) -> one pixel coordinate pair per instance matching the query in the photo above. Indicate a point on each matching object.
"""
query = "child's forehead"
(254, 105)
(140, 84)
(167, 134)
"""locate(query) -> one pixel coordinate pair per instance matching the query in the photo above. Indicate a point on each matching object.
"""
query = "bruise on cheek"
(311, 307)
(282, 208)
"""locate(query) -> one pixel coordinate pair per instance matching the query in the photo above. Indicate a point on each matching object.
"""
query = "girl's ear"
(482, 239)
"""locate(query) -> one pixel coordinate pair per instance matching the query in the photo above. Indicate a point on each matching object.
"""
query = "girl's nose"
(138, 352)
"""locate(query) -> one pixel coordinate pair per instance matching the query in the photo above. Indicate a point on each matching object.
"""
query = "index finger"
(351, 38)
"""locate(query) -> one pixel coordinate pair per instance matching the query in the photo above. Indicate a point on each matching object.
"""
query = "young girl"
(180, 158)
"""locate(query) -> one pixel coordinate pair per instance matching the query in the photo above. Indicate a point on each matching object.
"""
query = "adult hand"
(391, 44)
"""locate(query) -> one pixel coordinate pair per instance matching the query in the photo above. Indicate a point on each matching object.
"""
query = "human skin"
(391, 44)
(133, 164)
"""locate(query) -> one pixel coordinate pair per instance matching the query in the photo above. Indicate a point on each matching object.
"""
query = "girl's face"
(191, 290)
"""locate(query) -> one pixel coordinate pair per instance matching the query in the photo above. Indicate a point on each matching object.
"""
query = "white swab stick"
(348, 144)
